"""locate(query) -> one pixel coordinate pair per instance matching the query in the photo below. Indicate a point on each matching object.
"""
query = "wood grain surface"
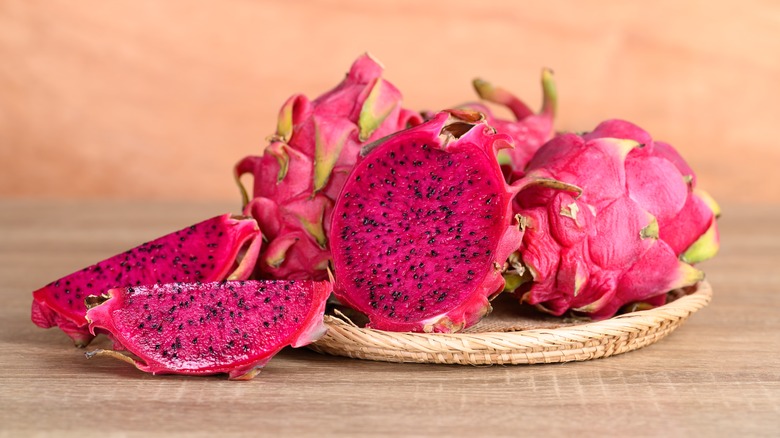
(718, 375)
(158, 100)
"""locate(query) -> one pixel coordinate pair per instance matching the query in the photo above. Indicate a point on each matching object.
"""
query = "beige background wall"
(157, 100)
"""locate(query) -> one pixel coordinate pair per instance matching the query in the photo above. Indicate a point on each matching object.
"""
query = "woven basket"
(506, 338)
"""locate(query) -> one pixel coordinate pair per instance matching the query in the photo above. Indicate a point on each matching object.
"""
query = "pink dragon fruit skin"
(232, 327)
(223, 247)
(686, 214)
(631, 232)
(529, 130)
(303, 168)
(424, 225)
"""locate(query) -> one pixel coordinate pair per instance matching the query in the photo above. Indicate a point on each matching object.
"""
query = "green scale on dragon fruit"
(223, 247)
(232, 327)
(630, 235)
(302, 170)
(424, 225)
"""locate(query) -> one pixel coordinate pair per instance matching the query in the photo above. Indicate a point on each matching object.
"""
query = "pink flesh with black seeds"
(218, 248)
(208, 328)
(417, 230)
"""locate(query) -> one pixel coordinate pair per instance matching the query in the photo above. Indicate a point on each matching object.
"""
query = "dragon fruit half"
(223, 247)
(232, 327)
(302, 170)
(529, 130)
(631, 234)
(424, 225)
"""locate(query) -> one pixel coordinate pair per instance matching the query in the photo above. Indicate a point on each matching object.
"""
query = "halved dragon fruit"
(529, 130)
(629, 236)
(232, 327)
(423, 226)
(301, 171)
(223, 247)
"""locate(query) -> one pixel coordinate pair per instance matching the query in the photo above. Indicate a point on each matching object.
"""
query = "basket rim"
(635, 330)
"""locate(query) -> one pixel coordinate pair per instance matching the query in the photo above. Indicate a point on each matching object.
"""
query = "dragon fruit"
(301, 171)
(529, 130)
(223, 247)
(423, 226)
(232, 327)
(630, 236)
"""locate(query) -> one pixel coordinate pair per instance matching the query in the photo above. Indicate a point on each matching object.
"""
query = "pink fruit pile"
(422, 219)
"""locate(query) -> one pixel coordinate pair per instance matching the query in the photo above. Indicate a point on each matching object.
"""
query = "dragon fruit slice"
(529, 130)
(232, 327)
(423, 226)
(302, 170)
(629, 236)
(223, 247)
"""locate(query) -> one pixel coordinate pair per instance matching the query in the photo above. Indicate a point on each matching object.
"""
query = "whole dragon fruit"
(302, 170)
(232, 327)
(223, 247)
(628, 237)
(529, 130)
(424, 225)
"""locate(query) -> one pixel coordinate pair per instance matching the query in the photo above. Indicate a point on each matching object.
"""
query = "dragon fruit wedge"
(424, 225)
(529, 130)
(223, 247)
(629, 237)
(301, 171)
(232, 327)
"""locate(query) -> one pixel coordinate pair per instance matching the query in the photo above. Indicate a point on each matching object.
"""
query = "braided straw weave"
(583, 341)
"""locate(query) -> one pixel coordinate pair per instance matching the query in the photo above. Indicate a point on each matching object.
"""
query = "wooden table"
(718, 375)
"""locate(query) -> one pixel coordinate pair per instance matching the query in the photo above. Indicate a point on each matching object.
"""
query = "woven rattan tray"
(512, 335)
